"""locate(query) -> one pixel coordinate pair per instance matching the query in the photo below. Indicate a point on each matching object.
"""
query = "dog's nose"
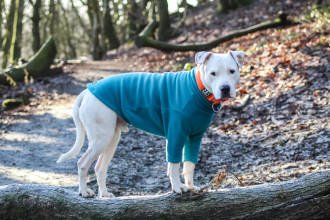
(225, 89)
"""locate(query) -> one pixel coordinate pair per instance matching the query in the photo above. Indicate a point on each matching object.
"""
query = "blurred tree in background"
(82, 27)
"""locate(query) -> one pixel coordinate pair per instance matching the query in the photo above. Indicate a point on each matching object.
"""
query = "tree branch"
(144, 40)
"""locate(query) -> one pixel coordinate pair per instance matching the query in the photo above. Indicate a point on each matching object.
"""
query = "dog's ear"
(238, 56)
(202, 57)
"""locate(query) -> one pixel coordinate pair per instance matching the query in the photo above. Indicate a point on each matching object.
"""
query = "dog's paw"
(180, 188)
(107, 195)
(87, 194)
(194, 188)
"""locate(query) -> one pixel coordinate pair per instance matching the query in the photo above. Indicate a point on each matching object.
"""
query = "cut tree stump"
(307, 197)
(145, 37)
(38, 65)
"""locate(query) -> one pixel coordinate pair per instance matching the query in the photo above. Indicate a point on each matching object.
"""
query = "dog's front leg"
(173, 172)
(188, 173)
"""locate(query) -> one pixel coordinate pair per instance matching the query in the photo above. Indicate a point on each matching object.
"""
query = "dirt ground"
(33, 137)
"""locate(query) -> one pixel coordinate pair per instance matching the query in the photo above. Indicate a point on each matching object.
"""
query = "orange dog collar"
(208, 95)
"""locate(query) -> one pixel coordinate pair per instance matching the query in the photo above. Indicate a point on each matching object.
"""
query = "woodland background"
(280, 134)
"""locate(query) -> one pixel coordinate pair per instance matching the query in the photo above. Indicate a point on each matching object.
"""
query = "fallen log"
(145, 40)
(307, 197)
(37, 65)
(147, 32)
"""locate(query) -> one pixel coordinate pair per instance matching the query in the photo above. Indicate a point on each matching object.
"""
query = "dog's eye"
(213, 73)
(232, 71)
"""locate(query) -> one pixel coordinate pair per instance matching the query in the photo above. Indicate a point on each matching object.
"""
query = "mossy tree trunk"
(8, 34)
(37, 65)
(305, 198)
(16, 40)
(2, 5)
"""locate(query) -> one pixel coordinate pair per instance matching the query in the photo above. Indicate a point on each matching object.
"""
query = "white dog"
(178, 106)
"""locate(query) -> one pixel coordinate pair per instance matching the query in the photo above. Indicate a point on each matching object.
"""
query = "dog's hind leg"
(100, 124)
(101, 166)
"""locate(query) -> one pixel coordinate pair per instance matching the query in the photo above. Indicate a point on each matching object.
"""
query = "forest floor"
(283, 133)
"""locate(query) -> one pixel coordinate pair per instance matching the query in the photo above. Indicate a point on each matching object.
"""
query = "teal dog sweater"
(169, 105)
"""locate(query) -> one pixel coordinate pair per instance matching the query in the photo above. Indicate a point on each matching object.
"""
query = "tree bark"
(52, 16)
(16, 40)
(35, 25)
(109, 28)
(185, 13)
(70, 50)
(81, 22)
(305, 198)
(164, 31)
(38, 65)
(8, 35)
(146, 33)
(98, 49)
(2, 5)
(132, 18)
(146, 41)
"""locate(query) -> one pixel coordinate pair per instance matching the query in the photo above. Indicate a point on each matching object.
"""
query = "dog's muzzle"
(225, 91)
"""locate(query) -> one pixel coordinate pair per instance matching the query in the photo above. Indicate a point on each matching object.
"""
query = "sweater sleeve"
(191, 147)
(176, 135)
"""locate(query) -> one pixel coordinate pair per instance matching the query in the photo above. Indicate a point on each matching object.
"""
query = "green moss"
(10, 104)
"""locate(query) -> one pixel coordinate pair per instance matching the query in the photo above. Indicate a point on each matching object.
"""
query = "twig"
(322, 88)
(240, 182)
(244, 103)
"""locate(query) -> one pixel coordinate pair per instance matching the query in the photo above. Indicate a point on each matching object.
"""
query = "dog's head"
(220, 72)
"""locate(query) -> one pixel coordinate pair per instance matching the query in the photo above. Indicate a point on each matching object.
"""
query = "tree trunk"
(132, 19)
(81, 22)
(109, 29)
(185, 13)
(305, 198)
(52, 16)
(98, 49)
(38, 65)
(146, 41)
(8, 35)
(146, 33)
(70, 49)
(16, 40)
(164, 31)
(35, 25)
(2, 5)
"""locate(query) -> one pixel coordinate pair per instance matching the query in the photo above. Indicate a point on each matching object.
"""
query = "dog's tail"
(80, 131)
